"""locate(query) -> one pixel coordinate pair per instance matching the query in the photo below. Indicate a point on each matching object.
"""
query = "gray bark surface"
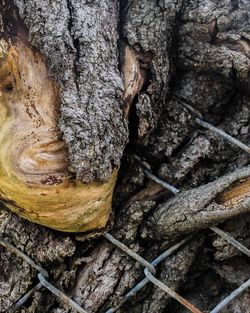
(196, 52)
(196, 209)
(80, 41)
(148, 27)
(44, 247)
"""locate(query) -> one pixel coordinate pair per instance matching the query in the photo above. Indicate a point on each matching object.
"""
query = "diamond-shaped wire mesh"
(150, 267)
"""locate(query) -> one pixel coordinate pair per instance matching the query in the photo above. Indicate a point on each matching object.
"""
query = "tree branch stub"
(34, 178)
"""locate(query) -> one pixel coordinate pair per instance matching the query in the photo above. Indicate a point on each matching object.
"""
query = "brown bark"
(196, 51)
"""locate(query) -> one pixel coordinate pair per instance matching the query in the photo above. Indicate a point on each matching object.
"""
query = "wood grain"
(34, 178)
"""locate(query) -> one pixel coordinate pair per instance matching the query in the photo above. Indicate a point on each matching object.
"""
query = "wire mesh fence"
(149, 267)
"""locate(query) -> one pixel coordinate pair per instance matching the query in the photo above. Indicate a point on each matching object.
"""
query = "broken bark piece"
(134, 70)
(235, 193)
(34, 178)
(210, 204)
(154, 44)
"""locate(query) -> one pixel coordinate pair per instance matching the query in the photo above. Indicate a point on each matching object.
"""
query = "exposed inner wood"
(134, 70)
(236, 193)
(34, 177)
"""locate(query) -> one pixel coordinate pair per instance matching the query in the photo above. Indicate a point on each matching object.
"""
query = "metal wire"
(145, 281)
(199, 120)
(131, 253)
(239, 246)
(224, 135)
(149, 267)
(221, 233)
(25, 298)
(60, 294)
(171, 292)
(43, 282)
(149, 174)
(26, 258)
(224, 235)
(231, 297)
(161, 182)
(231, 240)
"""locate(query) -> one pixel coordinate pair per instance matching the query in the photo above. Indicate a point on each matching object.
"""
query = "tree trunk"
(89, 84)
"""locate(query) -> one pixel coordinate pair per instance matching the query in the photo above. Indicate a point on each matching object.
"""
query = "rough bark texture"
(201, 207)
(192, 52)
(80, 42)
(43, 246)
(148, 26)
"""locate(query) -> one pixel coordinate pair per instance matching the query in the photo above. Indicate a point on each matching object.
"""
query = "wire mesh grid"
(149, 267)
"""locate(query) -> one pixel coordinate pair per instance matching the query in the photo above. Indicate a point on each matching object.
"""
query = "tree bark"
(123, 70)
(82, 53)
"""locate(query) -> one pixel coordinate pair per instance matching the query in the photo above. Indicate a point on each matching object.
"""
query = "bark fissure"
(91, 91)
(76, 45)
(199, 52)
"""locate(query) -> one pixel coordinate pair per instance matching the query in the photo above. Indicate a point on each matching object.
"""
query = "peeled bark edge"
(83, 56)
(201, 207)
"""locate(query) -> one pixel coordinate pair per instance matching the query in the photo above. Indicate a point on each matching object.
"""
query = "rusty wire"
(235, 243)
(215, 229)
(171, 292)
(145, 281)
(45, 283)
(149, 270)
